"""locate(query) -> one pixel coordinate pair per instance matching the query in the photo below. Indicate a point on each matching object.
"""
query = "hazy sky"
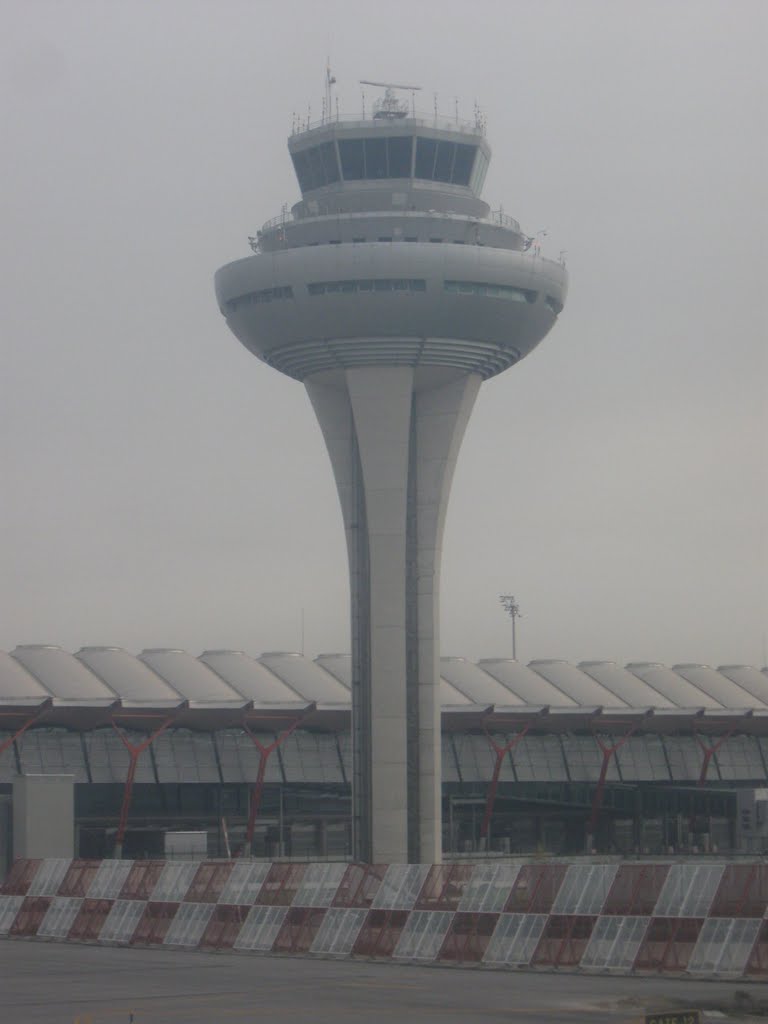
(160, 487)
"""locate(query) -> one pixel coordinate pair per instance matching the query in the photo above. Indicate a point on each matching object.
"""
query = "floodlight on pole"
(512, 608)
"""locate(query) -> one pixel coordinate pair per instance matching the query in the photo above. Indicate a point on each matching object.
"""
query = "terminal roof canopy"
(130, 678)
(727, 692)
(577, 684)
(306, 678)
(632, 690)
(678, 689)
(190, 677)
(477, 685)
(17, 684)
(750, 679)
(529, 686)
(251, 678)
(99, 677)
(62, 675)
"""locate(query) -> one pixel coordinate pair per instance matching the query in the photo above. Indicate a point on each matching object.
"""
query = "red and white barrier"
(700, 918)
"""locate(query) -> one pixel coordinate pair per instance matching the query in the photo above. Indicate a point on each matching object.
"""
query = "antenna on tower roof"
(390, 107)
(330, 81)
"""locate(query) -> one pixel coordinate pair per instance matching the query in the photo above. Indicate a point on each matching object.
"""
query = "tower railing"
(494, 217)
(419, 118)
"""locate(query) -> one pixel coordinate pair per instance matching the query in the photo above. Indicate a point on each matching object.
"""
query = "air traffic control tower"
(392, 292)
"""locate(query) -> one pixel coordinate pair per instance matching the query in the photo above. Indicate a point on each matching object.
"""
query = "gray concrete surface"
(54, 983)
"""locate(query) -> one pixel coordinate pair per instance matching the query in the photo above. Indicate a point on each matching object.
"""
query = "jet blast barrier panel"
(189, 924)
(109, 880)
(400, 887)
(9, 908)
(423, 934)
(689, 890)
(339, 931)
(488, 888)
(584, 889)
(319, 885)
(174, 882)
(614, 943)
(49, 877)
(515, 939)
(122, 921)
(60, 917)
(261, 928)
(724, 946)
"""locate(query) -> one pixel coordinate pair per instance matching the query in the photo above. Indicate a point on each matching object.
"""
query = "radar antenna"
(390, 108)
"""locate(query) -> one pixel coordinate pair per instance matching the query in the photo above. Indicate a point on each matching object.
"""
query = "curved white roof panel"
(680, 690)
(306, 678)
(529, 686)
(190, 677)
(723, 689)
(477, 685)
(16, 684)
(250, 678)
(129, 677)
(633, 691)
(749, 678)
(63, 676)
(583, 689)
(451, 697)
(339, 665)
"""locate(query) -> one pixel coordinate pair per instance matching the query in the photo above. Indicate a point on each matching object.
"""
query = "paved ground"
(54, 983)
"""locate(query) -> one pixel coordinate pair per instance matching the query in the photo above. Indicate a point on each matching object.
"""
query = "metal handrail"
(421, 118)
(494, 217)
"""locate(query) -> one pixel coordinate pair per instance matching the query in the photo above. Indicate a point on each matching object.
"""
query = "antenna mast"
(330, 81)
(390, 108)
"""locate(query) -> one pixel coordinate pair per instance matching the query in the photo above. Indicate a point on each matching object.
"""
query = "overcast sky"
(162, 488)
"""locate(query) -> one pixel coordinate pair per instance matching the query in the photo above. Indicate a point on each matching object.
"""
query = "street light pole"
(512, 608)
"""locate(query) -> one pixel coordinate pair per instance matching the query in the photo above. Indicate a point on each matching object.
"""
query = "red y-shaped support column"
(134, 752)
(708, 749)
(10, 740)
(608, 752)
(257, 791)
(500, 753)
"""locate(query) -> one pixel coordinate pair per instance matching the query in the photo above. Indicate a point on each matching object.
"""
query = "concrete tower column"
(393, 434)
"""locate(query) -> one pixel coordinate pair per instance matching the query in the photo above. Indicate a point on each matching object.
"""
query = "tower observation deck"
(391, 291)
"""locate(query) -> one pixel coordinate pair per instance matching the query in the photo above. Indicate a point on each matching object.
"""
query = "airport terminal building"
(252, 754)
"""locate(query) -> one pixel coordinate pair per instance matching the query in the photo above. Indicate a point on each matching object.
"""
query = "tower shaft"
(393, 435)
